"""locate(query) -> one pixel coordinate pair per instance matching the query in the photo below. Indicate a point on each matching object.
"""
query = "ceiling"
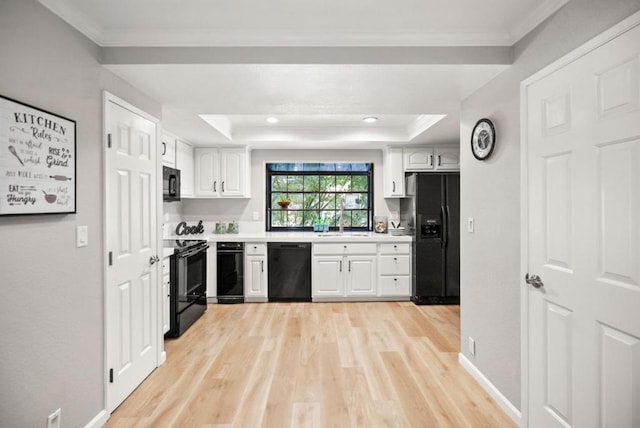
(320, 67)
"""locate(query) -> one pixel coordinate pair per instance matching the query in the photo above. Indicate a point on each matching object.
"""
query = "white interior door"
(131, 242)
(583, 314)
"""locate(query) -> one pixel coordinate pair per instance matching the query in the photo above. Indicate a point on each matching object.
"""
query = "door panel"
(620, 358)
(583, 137)
(132, 279)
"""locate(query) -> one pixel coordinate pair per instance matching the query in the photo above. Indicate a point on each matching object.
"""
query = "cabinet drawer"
(394, 265)
(255, 249)
(395, 248)
(344, 248)
(394, 286)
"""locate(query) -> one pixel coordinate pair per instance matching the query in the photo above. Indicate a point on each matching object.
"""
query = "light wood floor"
(314, 365)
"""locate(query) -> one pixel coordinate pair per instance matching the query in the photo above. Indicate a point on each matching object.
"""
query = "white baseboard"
(490, 388)
(99, 421)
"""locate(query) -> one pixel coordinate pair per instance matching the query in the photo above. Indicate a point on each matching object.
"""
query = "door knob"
(534, 280)
(153, 259)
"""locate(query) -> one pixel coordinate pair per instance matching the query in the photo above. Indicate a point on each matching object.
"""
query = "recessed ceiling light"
(370, 119)
(272, 120)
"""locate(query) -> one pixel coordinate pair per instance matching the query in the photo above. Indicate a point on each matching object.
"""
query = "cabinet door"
(418, 159)
(361, 276)
(255, 286)
(184, 162)
(447, 158)
(327, 278)
(232, 172)
(393, 173)
(168, 150)
(207, 178)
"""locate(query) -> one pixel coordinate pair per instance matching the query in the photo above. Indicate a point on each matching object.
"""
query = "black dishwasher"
(289, 267)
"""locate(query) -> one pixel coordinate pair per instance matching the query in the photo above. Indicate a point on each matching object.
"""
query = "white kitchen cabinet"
(343, 270)
(360, 276)
(447, 158)
(221, 172)
(327, 277)
(418, 158)
(168, 150)
(436, 158)
(184, 162)
(166, 297)
(394, 269)
(393, 172)
(255, 280)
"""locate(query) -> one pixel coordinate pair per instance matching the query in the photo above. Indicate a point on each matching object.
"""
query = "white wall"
(242, 209)
(490, 192)
(51, 294)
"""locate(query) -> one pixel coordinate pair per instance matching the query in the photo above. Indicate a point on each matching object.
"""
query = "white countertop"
(314, 237)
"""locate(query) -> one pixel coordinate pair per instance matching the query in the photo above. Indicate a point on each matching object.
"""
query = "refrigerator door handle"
(446, 236)
(443, 238)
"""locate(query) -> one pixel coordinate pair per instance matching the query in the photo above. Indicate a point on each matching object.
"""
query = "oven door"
(192, 278)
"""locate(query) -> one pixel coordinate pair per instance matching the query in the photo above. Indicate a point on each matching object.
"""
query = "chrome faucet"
(341, 223)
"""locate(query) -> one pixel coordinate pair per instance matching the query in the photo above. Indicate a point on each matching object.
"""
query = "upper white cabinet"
(393, 173)
(184, 162)
(438, 158)
(447, 158)
(222, 172)
(168, 150)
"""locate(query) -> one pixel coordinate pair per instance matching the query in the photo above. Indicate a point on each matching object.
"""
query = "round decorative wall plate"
(483, 139)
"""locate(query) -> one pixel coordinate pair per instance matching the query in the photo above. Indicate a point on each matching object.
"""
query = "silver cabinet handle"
(214, 186)
(262, 265)
(534, 280)
(340, 265)
(153, 260)
(223, 187)
(349, 265)
(393, 188)
(439, 160)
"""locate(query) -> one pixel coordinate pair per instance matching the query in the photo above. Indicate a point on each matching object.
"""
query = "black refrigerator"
(431, 214)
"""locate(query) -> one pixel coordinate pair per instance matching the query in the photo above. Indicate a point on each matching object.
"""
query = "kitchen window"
(301, 195)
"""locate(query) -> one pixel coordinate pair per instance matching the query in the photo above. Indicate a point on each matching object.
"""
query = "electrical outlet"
(256, 215)
(472, 346)
(53, 421)
(470, 224)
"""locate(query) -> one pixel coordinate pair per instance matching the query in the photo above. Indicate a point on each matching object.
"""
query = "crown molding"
(537, 17)
(225, 38)
(78, 20)
(247, 38)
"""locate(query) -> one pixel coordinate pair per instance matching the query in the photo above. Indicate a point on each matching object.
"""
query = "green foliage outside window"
(317, 193)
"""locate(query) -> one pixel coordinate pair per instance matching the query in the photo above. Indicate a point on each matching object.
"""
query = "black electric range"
(188, 290)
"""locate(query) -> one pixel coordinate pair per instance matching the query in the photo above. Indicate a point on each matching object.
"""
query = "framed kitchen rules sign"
(37, 160)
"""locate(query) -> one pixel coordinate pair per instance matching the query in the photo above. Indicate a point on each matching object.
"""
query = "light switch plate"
(82, 236)
(256, 215)
(470, 225)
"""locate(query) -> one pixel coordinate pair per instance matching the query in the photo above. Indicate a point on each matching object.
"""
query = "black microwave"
(170, 184)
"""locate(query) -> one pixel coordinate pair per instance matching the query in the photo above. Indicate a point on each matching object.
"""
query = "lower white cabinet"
(394, 269)
(166, 297)
(343, 270)
(255, 279)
